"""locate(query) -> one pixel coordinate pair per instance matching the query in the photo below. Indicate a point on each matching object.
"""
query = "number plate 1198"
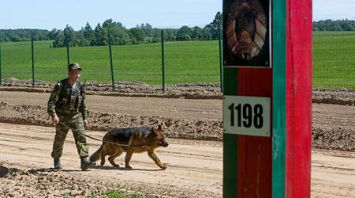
(245, 115)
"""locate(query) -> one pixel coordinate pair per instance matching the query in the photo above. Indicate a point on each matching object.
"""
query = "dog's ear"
(157, 130)
(153, 132)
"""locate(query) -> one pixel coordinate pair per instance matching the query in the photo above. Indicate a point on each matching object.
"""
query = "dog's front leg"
(155, 158)
(111, 159)
(127, 159)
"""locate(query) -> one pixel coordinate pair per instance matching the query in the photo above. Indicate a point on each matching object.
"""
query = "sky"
(49, 14)
(333, 9)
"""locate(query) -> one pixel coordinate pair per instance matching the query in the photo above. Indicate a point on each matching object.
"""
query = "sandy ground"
(194, 165)
(194, 168)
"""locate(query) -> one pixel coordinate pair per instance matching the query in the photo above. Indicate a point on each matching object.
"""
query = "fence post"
(33, 61)
(163, 60)
(220, 59)
(110, 50)
(275, 164)
(0, 65)
(68, 53)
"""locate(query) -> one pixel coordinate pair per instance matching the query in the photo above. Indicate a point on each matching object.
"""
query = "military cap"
(74, 66)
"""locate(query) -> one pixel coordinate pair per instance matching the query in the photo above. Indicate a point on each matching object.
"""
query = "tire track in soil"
(194, 168)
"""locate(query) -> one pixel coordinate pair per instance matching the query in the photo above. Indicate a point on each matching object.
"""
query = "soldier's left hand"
(85, 123)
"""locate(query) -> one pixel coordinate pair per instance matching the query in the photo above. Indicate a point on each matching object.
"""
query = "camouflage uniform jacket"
(67, 100)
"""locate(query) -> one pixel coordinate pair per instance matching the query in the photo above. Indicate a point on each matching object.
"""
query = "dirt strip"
(333, 125)
(194, 169)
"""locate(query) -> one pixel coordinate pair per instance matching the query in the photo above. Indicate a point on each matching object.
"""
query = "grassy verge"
(115, 193)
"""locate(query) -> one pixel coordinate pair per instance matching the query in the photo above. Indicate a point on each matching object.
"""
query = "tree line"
(144, 33)
(98, 35)
(23, 35)
(334, 25)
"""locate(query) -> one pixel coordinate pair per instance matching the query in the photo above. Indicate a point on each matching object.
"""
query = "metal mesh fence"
(184, 62)
(333, 59)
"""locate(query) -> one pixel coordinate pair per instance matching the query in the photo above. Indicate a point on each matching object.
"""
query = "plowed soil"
(194, 156)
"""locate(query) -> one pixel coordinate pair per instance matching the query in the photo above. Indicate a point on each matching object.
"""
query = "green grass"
(334, 59)
(185, 62)
(115, 193)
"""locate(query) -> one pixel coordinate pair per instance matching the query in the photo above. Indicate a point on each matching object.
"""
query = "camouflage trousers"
(75, 123)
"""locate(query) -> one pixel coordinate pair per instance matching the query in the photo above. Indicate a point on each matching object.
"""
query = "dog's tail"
(97, 155)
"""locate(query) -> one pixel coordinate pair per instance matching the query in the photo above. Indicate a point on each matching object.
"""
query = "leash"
(88, 136)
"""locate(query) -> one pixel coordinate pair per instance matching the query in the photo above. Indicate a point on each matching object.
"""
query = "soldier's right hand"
(55, 120)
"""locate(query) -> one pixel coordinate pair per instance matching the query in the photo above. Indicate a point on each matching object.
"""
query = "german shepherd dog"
(130, 140)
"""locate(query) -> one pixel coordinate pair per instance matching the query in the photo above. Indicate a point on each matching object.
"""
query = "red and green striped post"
(278, 165)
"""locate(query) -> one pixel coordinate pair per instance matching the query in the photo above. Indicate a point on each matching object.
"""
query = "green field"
(334, 59)
(185, 62)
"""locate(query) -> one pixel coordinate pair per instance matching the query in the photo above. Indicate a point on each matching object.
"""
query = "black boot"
(85, 163)
(57, 164)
